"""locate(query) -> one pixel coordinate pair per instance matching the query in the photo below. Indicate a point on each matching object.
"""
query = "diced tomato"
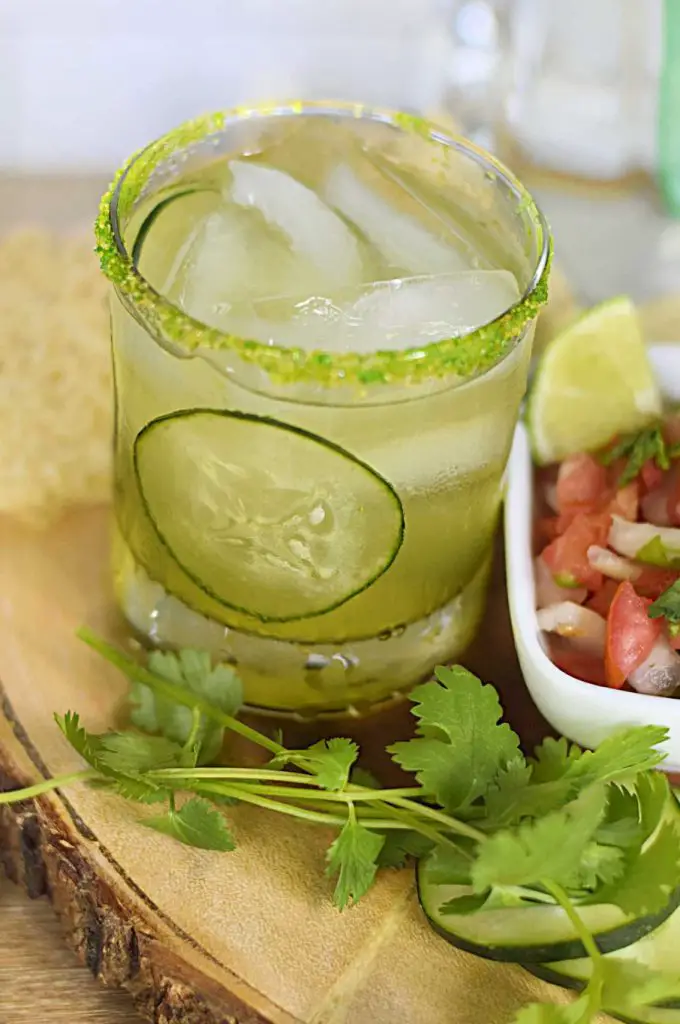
(581, 482)
(631, 634)
(580, 664)
(547, 529)
(567, 555)
(602, 599)
(625, 502)
(672, 490)
(651, 475)
(653, 581)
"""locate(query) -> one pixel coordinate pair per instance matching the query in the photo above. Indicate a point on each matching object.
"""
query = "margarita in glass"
(322, 322)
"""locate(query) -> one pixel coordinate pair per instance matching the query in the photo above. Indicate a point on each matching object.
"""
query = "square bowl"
(583, 712)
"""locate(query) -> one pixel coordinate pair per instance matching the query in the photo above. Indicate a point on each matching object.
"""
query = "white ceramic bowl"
(582, 712)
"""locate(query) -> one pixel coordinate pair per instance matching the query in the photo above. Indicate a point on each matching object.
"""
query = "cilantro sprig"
(565, 827)
(646, 445)
(667, 606)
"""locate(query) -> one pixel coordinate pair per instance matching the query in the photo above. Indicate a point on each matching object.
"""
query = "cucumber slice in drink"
(266, 518)
(161, 241)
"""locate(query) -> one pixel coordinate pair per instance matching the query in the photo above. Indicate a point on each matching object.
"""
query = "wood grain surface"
(198, 938)
(40, 979)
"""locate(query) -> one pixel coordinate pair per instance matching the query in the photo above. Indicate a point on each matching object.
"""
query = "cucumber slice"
(533, 933)
(657, 951)
(266, 518)
(158, 255)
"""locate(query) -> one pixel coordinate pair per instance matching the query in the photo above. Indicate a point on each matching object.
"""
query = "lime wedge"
(266, 518)
(594, 380)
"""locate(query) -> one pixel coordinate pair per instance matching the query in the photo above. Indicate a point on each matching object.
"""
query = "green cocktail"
(322, 320)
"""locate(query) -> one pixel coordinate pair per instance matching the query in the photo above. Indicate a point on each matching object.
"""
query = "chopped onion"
(549, 592)
(612, 565)
(550, 495)
(629, 538)
(659, 673)
(583, 627)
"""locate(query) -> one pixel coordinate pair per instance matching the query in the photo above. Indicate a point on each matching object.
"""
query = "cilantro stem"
(133, 670)
(237, 774)
(341, 796)
(318, 817)
(252, 777)
(562, 897)
(14, 796)
(525, 893)
(195, 727)
(452, 824)
(593, 991)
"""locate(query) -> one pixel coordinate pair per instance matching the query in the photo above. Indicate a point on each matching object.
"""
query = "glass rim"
(467, 355)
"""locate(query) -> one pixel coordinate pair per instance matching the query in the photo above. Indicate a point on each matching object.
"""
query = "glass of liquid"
(322, 320)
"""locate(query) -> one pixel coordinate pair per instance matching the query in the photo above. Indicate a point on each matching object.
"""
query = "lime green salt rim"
(467, 355)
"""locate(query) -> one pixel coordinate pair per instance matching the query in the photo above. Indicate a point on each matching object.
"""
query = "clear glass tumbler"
(322, 318)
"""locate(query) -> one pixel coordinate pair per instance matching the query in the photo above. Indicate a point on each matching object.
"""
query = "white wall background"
(85, 82)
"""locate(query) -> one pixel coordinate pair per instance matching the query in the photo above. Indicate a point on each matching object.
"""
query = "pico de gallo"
(607, 567)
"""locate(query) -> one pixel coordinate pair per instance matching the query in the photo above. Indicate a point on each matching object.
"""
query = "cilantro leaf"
(628, 986)
(330, 760)
(600, 865)
(133, 753)
(653, 795)
(551, 1013)
(193, 671)
(469, 904)
(132, 787)
(649, 877)
(461, 747)
(363, 777)
(354, 856)
(553, 759)
(622, 826)
(647, 445)
(118, 777)
(85, 743)
(197, 824)
(513, 797)
(448, 865)
(548, 849)
(400, 845)
(668, 605)
(622, 756)
(508, 792)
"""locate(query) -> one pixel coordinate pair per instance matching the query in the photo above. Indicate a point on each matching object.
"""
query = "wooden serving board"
(248, 937)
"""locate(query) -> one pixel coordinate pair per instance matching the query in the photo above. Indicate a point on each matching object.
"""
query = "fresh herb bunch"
(566, 826)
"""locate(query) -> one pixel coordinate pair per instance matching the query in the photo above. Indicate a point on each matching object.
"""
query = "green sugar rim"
(467, 355)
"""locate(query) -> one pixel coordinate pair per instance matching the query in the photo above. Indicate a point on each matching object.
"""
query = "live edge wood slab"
(199, 938)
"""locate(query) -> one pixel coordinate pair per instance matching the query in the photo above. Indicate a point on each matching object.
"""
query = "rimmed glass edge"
(465, 356)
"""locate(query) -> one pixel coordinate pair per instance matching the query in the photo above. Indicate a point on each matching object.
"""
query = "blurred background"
(579, 98)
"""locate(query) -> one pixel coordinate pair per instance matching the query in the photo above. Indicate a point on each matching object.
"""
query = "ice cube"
(232, 257)
(404, 313)
(400, 239)
(314, 230)
(410, 312)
